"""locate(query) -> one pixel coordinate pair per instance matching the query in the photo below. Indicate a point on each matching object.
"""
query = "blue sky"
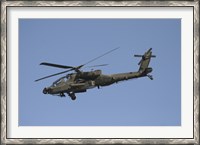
(137, 102)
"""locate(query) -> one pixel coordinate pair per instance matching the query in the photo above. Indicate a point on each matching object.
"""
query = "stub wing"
(77, 85)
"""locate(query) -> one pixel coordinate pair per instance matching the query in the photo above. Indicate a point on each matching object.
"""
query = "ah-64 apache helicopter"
(80, 81)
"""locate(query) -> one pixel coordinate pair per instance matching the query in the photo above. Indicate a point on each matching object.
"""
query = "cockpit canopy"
(59, 81)
(81, 76)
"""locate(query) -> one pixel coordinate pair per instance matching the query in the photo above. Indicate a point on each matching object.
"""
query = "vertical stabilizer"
(144, 62)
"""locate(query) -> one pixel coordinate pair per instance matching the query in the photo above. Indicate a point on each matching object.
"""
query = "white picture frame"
(7, 127)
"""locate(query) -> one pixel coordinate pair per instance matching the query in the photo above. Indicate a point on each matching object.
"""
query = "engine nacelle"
(89, 75)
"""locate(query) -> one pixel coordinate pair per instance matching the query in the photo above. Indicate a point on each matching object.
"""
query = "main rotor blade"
(101, 56)
(96, 65)
(53, 75)
(56, 65)
(140, 62)
(72, 68)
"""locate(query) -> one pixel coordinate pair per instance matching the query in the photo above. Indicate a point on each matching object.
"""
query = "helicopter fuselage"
(80, 81)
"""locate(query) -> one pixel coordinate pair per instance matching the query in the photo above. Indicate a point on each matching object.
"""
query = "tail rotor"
(144, 63)
(147, 55)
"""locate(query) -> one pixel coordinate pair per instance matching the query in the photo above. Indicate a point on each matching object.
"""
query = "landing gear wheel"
(72, 96)
(62, 94)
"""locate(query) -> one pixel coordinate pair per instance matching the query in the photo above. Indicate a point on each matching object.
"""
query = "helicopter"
(79, 81)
